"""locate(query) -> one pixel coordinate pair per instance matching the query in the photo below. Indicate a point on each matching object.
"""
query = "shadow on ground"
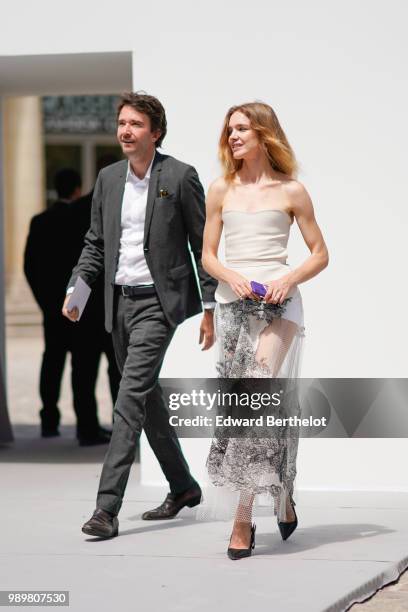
(28, 446)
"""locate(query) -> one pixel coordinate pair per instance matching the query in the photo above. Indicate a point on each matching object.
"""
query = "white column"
(5, 427)
(24, 196)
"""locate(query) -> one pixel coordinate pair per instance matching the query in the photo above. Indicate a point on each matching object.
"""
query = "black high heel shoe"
(241, 553)
(286, 529)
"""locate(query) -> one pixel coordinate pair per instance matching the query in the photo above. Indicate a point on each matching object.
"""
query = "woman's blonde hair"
(271, 135)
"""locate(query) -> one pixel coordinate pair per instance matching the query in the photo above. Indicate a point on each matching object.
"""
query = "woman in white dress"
(255, 202)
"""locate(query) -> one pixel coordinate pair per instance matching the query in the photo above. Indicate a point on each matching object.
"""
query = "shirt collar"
(130, 175)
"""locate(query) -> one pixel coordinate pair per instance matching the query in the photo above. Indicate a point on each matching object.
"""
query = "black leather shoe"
(287, 528)
(173, 504)
(49, 431)
(105, 430)
(102, 525)
(50, 420)
(100, 437)
(240, 553)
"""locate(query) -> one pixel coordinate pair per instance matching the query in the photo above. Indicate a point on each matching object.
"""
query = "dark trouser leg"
(163, 439)
(142, 329)
(161, 435)
(52, 369)
(85, 360)
(113, 371)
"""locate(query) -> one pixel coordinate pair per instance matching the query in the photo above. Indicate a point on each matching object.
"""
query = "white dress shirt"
(132, 266)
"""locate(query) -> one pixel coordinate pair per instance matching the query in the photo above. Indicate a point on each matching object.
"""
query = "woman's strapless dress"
(255, 340)
(256, 247)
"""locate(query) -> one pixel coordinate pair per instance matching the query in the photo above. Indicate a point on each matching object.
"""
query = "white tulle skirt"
(255, 340)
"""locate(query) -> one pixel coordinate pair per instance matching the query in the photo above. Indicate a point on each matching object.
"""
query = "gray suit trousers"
(141, 335)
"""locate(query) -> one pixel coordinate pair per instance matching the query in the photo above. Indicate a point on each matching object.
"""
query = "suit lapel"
(152, 193)
(116, 197)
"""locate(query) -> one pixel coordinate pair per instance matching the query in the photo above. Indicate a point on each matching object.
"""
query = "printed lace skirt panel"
(255, 340)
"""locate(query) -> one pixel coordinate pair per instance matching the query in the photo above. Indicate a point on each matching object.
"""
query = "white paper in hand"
(79, 296)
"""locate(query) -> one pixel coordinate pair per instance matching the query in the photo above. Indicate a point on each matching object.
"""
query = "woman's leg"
(241, 532)
(274, 343)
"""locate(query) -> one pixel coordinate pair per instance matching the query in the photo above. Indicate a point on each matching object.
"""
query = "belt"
(130, 290)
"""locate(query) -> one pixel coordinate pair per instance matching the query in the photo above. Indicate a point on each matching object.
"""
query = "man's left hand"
(207, 330)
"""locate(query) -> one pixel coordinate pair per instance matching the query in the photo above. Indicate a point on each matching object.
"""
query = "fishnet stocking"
(241, 531)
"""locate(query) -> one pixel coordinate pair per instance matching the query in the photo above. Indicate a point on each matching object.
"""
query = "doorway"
(51, 75)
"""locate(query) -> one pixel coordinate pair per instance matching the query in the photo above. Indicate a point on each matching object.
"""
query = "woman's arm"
(211, 242)
(302, 208)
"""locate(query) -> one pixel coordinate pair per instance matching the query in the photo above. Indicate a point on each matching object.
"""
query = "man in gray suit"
(146, 212)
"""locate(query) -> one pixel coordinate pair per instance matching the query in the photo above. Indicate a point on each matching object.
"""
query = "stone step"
(23, 320)
(23, 331)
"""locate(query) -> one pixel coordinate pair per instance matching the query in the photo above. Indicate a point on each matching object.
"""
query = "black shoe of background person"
(102, 524)
(49, 431)
(173, 504)
(50, 420)
(102, 436)
(105, 430)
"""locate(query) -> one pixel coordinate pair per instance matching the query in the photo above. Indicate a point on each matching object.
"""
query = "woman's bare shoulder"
(219, 186)
(217, 190)
(297, 193)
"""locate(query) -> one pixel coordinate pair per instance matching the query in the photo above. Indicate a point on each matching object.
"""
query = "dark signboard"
(79, 114)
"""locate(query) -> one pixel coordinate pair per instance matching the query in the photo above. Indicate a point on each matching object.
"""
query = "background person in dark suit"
(48, 260)
(146, 212)
(91, 339)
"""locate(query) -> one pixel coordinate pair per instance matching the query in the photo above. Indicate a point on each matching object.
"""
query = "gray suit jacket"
(173, 223)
